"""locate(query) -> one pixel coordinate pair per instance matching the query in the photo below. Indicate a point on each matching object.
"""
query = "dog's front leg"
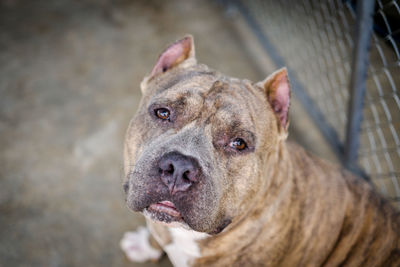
(140, 246)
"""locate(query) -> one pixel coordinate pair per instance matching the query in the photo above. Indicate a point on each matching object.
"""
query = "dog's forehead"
(179, 80)
(224, 98)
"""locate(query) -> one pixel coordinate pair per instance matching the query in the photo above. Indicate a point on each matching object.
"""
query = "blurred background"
(69, 84)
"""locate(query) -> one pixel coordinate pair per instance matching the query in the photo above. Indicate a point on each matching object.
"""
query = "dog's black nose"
(178, 172)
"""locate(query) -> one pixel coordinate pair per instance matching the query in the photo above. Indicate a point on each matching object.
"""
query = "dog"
(207, 163)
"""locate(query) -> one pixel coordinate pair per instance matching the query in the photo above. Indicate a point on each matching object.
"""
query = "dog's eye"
(238, 144)
(162, 113)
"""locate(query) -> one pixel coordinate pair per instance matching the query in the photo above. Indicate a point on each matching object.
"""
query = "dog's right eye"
(162, 113)
(238, 144)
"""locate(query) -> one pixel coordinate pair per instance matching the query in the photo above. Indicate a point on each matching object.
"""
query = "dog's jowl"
(207, 163)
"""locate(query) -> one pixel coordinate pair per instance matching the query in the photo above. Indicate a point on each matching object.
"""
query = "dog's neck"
(278, 220)
(276, 193)
(293, 230)
(276, 184)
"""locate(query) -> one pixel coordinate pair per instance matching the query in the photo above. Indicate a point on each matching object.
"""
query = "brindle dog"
(207, 163)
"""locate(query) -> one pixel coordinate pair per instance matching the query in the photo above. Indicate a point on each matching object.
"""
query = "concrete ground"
(69, 83)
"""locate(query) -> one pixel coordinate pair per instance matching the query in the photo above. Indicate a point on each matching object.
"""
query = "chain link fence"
(326, 44)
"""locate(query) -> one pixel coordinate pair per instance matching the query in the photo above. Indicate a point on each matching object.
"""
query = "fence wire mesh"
(316, 39)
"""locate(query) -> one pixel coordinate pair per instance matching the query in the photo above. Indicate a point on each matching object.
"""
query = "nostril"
(166, 169)
(170, 169)
(190, 176)
(186, 176)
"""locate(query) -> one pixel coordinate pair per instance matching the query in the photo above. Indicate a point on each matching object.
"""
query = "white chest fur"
(183, 249)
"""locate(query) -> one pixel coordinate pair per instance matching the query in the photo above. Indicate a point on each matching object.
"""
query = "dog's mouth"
(164, 211)
(166, 207)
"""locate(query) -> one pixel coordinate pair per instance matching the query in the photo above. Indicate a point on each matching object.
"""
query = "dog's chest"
(184, 249)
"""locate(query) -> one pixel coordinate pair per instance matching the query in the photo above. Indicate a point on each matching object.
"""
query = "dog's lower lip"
(165, 207)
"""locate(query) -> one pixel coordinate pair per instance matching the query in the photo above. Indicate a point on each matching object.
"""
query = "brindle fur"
(281, 205)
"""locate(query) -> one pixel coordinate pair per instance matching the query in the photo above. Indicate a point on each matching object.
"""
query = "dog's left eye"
(238, 144)
(162, 113)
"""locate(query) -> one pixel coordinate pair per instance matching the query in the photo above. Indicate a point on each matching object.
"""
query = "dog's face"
(196, 149)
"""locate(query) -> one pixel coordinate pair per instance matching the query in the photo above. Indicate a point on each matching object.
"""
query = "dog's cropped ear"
(180, 53)
(277, 89)
(174, 55)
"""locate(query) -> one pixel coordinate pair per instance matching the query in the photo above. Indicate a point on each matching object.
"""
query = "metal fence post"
(357, 88)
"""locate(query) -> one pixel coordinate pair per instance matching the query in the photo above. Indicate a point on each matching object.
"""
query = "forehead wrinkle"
(234, 89)
(235, 115)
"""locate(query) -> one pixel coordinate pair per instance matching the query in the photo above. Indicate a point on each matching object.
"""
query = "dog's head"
(196, 150)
